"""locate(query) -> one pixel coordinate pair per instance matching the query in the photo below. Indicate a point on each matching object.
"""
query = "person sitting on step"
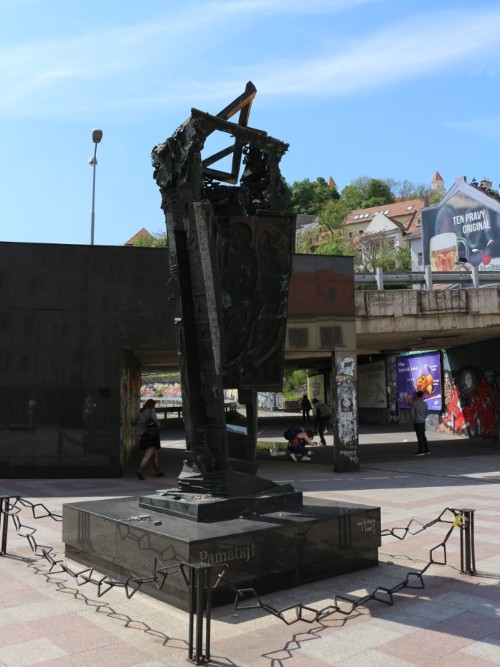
(298, 445)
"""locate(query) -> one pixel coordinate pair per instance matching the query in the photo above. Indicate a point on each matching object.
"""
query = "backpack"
(291, 432)
(152, 432)
(324, 411)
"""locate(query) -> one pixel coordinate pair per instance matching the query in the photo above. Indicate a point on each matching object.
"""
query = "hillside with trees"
(331, 208)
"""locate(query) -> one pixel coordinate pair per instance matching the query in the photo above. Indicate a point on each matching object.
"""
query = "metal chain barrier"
(247, 598)
(200, 580)
(198, 577)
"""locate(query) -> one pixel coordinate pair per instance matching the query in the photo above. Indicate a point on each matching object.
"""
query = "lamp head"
(96, 136)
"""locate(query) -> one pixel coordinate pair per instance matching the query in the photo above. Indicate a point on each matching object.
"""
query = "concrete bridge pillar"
(345, 402)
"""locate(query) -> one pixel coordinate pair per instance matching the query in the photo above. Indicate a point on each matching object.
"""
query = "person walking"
(322, 415)
(306, 406)
(418, 411)
(149, 438)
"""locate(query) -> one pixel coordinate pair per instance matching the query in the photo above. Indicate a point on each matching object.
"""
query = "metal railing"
(427, 278)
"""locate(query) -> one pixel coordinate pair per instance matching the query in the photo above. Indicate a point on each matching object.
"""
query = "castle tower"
(437, 183)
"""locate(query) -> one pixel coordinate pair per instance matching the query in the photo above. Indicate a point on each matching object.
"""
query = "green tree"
(293, 382)
(336, 244)
(155, 240)
(308, 239)
(310, 196)
(377, 251)
(364, 192)
(333, 214)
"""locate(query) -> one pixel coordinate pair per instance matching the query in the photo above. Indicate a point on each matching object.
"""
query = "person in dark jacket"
(419, 410)
(322, 416)
(306, 408)
(149, 437)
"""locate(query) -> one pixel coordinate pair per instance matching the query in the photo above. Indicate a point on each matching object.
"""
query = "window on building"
(298, 337)
(330, 337)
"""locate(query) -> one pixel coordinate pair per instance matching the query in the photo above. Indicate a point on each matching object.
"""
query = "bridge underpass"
(397, 321)
(388, 323)
(393, 322)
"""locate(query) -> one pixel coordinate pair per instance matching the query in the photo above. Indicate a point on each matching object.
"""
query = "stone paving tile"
(144, 632)
(488, 649)
(464, 600)
(424, 646)
(469, 625)
(31, 652)
(333, 650)
(115, 655)
(373, 658)
(462, 659)
(15, 598)
(17, 633)
(369, 634)
(283, 643)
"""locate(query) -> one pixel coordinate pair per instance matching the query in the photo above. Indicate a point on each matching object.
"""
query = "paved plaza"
(48, 619)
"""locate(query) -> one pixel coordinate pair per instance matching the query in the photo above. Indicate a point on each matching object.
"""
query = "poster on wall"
(419, 372)
(372, 390)
(316, 387)
(462, 229)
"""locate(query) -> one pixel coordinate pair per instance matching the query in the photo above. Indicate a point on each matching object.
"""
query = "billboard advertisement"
(419, 372)
(461, 230)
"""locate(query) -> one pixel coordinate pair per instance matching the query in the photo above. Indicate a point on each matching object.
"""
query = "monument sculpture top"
(230, 255)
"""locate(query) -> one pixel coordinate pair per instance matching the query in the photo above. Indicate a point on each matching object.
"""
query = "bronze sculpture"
(230, 253)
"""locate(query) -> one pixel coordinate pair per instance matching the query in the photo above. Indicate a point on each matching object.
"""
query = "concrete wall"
(70, 317)
(78, 322)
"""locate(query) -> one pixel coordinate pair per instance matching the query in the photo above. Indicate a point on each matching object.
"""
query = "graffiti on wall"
(472, 402)
(347, 425)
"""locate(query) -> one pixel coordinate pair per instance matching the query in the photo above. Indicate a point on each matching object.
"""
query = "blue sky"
(381, 88)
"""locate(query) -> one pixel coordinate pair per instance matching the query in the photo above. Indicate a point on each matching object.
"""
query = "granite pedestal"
(267, 552)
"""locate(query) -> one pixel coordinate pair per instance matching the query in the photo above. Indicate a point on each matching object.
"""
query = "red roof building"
(141, 233)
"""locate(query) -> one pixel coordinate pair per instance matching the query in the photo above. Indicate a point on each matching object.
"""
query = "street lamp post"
(96, 138)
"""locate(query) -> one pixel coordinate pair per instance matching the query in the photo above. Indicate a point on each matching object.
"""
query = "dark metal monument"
(230, 254)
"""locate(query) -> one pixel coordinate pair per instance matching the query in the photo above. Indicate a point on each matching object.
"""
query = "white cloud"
(483, 127)
(123, 67)
(289, 6)
(402, 52)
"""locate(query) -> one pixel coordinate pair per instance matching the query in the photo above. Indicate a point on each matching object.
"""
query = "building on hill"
(391, 228)
(403, 214)
(142, 233)
(437, 184)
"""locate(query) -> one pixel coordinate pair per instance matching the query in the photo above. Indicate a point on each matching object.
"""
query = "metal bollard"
(200, 610)
(4, 523)
(467, 552)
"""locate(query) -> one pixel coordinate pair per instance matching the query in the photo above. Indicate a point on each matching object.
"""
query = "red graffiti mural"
(472, 402)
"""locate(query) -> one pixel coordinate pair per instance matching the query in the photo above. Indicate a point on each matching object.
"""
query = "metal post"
(428, 277)
(467, 550)
(96, 138)
(475, 276)
(379, 277)
(4, 523)
(200, 609)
